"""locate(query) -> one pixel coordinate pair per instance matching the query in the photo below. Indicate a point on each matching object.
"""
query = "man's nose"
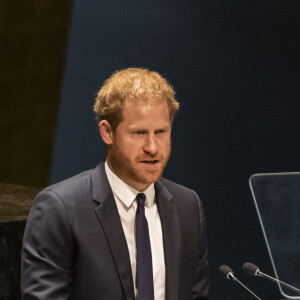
(150, 144)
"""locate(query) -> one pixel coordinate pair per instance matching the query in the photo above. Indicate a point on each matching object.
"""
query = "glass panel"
(277, 200)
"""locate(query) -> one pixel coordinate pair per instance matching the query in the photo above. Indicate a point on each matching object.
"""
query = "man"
(120, 231)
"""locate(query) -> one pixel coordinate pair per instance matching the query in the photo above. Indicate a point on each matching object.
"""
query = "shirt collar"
(126, 193)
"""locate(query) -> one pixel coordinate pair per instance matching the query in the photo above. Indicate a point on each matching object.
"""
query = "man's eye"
(160, 131)
(139, 132)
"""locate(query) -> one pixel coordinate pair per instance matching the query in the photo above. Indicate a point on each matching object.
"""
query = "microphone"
(227, 271)
(254, 270)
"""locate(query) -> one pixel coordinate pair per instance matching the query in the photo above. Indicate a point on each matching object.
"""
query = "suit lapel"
(108, 215)
(171, 239)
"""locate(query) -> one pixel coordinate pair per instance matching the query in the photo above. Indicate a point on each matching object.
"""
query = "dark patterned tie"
(144, 278)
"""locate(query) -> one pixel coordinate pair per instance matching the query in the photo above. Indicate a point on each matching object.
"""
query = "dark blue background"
(235, 67)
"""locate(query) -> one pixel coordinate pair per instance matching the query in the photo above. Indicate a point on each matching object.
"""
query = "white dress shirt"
(125, 197)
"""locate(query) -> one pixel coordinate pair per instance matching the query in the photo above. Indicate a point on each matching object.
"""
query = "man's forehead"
(136, 110)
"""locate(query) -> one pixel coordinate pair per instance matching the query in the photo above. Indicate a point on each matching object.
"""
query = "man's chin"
(148, 178)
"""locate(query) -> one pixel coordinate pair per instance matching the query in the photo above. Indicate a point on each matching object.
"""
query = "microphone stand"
(235, 279)
(259, 273)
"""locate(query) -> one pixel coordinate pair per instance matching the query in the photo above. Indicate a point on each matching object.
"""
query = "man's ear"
(106, 132)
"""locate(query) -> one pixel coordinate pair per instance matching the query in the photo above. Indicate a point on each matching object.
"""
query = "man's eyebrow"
(141, 128)
(164, 127)
(137, 128)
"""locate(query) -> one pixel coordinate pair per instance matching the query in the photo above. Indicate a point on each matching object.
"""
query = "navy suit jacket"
(74, 246)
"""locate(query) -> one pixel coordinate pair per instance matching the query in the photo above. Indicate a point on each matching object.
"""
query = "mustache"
(158, 156)
(150, 157)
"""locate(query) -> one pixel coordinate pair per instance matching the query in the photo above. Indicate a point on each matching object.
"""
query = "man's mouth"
(150, 162)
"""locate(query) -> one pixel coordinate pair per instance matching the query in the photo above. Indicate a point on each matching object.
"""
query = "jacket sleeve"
(48, 250)
(201, 287)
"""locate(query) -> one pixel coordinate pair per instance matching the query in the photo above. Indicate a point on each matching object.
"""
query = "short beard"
(127, 171)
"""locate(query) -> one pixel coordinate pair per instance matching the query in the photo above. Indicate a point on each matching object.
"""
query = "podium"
(15, 203)
(276, 197)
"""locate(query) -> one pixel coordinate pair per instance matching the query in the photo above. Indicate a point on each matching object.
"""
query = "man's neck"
(137, 186)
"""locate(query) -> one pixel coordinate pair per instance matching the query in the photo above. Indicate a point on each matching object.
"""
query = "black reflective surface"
(277, 200)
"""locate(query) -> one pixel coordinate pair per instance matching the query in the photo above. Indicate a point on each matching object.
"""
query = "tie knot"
(141, 199)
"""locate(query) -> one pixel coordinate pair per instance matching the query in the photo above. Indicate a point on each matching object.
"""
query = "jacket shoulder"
(176, 189)
(79, 186)
(72, 185)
